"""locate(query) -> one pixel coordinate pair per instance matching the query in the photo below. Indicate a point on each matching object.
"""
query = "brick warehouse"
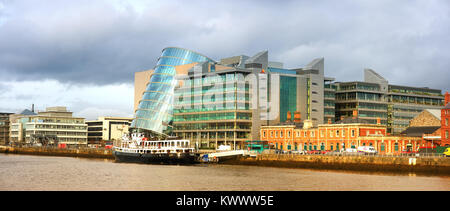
(350, 132)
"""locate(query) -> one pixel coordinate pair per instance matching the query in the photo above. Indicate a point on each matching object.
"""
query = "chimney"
(355, 114)
(329, 121)
(289, 116)
(297, 116)
(447, 98)
(378, 121)
(32, 107)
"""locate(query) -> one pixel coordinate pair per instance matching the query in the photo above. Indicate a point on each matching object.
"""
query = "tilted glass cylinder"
(155, 109)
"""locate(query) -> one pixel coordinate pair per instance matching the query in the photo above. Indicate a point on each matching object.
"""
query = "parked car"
(350, 150)
(367, 150)
(224, 148)
(301, 152)
(409, 152)
(314, 152)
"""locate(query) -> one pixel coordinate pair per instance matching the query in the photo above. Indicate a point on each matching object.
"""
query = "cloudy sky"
(83, 54)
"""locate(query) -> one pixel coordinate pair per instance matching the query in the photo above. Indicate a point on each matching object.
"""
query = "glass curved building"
(155, 110)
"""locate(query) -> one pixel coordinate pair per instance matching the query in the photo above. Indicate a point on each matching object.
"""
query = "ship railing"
(156, 150)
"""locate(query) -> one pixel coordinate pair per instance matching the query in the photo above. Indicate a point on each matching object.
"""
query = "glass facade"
(213, 110)
(288, 97)
(283, 71)
(155, 110)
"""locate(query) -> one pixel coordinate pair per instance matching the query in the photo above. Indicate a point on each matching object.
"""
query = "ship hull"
(129, 157)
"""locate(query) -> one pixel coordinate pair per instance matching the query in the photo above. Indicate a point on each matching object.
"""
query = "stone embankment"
(425, 165)
(82, 152)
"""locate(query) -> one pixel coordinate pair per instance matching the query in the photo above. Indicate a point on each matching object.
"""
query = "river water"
(26, 172)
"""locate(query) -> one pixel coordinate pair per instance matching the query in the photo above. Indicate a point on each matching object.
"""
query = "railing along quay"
(430, 155)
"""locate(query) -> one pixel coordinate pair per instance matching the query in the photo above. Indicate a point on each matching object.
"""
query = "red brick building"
(445, 122)
(346, 133)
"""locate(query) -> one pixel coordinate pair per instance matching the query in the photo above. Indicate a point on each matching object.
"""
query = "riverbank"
(424, 165)
(421, 165)
(82, 152)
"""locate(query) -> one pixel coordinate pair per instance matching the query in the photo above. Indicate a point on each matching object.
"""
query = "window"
(331, 133)
(276, 134)
(446, 134)
(343, 133)
(337, 133)
(289, 134)
(321, 133)
(396, 147)
(353, 133)
(264, 134)
(446, 122)
(304, 134)
(312, 134)
(281, 134)
(298, 134)
(271, 134)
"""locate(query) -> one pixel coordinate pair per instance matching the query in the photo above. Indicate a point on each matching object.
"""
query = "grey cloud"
(105, 43)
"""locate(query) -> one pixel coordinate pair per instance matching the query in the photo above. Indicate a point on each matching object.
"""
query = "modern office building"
(55, 125)
(106, 130)
(155, 109)
(226, 103)
(277, 92)
(213, 108)
(141, 80)
(4, 128)
(375, 98)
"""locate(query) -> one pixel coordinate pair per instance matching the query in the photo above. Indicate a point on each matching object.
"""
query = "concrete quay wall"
(82, 152)
(426, 165)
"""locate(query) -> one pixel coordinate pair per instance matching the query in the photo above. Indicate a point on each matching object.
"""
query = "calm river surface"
(25, 172)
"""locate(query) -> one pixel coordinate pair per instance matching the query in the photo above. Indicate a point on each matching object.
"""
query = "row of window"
(332, 147)
(337, 133)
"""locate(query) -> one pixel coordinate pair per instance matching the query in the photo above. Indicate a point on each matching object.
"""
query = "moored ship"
(138, 149)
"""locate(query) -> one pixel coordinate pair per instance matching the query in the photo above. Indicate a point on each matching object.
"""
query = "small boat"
(140, 150)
